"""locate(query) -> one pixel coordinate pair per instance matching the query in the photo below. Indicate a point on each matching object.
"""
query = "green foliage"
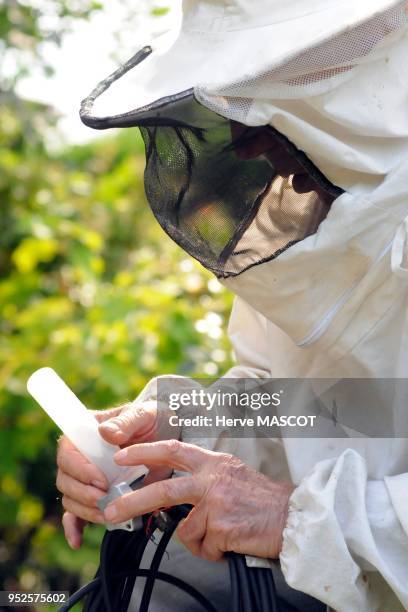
(25, 25)
(90, 285)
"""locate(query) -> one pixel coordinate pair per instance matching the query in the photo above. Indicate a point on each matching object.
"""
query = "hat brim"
(215, 60)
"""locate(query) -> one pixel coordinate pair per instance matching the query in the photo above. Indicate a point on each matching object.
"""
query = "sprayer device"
(80, 426)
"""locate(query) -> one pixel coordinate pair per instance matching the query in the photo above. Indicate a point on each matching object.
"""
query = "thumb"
(133, 423)
(104, 415)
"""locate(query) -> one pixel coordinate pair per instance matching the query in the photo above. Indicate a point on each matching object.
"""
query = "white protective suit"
(335, 305)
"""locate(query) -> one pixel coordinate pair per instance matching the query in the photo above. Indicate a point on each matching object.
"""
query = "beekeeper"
(277, 155)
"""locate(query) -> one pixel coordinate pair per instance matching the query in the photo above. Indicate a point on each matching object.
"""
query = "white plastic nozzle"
(79, 425)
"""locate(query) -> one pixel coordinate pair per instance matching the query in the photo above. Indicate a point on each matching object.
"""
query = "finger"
(183, 490)
(192, 530)
(133, 422)
(85, 494)
(93, 515)
(172, 453)
(157, 473)
(104, 415)
(73, 529)
(74, 463)
(209, 549)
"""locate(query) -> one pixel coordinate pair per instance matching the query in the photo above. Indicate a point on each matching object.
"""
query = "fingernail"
(112, 427)
(110, 512)
(98, 484)
(72, 541)
(121, 455)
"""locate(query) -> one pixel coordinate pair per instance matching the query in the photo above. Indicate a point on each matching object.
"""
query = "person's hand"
(235, 508)
(82, 483)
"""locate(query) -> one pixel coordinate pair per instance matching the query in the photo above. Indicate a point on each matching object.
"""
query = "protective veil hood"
(289, 181)
(225, 42)
(357, 135)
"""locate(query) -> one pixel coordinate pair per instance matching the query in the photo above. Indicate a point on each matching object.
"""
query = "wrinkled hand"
(235, 508)
(82, 483)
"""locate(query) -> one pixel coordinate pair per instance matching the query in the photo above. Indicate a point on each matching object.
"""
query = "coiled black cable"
(252, 589)
(143, 573)
(234, 580)
(129, 584)
(154, 568)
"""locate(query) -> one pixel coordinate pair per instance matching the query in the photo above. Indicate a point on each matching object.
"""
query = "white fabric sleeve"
(247, 332)
(346, 538)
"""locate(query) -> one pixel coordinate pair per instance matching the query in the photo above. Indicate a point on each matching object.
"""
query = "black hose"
(272, 591)
(134, 561)
(234, 580)
(154, 568)
(252, 589)
(256, 590)
(245, 588)
(266, 604)
(144, 573)
(105, 577)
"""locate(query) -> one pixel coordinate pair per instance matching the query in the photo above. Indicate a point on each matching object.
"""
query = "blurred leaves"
(26, 26)
(90, 285)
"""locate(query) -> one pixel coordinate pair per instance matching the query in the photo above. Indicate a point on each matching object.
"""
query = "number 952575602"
(21, 598)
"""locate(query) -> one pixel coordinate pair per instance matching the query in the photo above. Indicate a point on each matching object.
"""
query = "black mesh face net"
(231, 196)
